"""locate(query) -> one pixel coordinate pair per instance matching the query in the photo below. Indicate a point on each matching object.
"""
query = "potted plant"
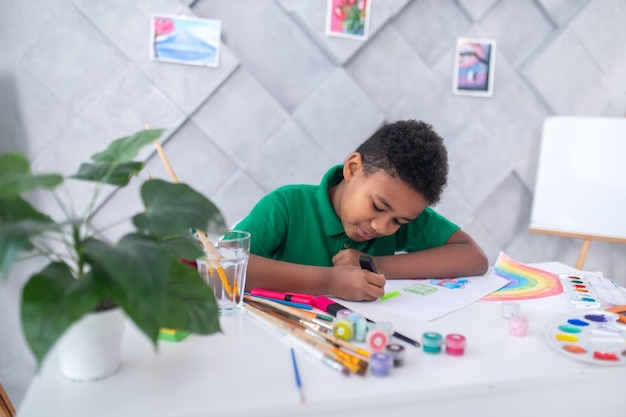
(141, 274)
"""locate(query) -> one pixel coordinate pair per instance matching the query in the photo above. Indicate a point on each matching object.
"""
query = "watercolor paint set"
(579, 291)
(593, 336)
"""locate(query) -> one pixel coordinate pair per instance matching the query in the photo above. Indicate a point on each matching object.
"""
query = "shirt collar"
(331, 223)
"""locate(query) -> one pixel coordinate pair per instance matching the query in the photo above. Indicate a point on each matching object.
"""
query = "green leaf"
(134, 273)
(13, 163)
(16, 237)
(16, 209)
(183, 247)
(126, 148)
(52, 300)
(109, 174)
(190, 302)
(174, 209)
(16, 178)
(137, 263)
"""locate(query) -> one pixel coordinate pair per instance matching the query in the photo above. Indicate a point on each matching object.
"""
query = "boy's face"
(375, 205)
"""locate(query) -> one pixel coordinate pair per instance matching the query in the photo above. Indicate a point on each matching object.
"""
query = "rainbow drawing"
(525, 282)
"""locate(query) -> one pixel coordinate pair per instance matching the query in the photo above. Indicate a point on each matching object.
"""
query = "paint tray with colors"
(593, 336)
(579, 292)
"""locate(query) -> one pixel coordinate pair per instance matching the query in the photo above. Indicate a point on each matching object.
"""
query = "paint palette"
(593, 336)
(579, 292)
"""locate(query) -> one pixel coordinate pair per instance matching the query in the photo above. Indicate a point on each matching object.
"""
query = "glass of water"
(224, 267)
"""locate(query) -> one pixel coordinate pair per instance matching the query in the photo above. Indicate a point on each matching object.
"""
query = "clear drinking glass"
(224, 267)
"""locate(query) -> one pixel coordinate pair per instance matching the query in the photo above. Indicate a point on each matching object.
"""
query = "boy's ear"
(352, 166)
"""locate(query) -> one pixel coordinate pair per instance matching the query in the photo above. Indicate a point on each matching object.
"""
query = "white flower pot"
(91, 348)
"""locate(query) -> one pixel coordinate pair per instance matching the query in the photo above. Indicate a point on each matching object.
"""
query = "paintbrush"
(257, 315)
(353, 363)
(326, 333)
(292, 311)
(211, 262)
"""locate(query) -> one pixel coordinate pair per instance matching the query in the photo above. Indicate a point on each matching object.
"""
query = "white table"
(247, 371)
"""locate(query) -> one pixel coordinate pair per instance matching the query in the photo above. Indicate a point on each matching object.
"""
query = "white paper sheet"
(434, 298)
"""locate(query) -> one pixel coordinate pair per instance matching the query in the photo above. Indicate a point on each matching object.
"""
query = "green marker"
(390, 295)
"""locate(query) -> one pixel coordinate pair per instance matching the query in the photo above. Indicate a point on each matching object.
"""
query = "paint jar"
(380, 363)
(432, 341)
(343, 313)
(376, 340)
(455, 344)
(343, 329)
(518, 326)
(359, 324)
(510, 309)
(397, 353)
(386, 326)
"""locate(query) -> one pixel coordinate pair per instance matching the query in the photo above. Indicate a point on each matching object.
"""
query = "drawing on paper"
(421, 289)
(185, 40)
(525, 282)
(450, 283)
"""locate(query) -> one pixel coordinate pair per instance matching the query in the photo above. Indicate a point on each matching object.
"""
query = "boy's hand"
(347, 257)
(355, 284)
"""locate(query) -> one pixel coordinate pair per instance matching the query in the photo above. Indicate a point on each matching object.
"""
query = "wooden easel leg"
(6, 407)
(583, 254)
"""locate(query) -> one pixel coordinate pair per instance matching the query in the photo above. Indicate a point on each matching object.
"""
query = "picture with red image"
(348, 18)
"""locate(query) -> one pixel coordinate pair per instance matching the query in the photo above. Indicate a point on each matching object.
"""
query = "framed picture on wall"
(474, 65)
(348, 18)
(185, 40)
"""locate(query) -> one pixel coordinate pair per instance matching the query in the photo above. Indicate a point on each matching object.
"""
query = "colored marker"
(331, 307)
(367, 262)
(288, 303)
(285, 296)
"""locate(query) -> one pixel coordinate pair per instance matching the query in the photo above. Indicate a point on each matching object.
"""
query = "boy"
(308, 238)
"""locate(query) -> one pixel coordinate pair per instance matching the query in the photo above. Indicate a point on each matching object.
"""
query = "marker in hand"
(367, 262)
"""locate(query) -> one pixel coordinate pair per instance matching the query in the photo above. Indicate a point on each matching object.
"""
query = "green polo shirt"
(296, 223)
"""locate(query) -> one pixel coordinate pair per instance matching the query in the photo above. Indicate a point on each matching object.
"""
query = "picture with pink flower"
(348, 18)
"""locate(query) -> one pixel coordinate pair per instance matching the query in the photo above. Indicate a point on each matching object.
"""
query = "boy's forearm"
(284, 276)
(461, 256)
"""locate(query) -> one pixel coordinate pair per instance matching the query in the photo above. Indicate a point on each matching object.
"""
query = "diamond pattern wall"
(287, 101)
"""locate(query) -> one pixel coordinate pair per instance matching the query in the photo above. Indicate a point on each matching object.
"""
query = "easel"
(579, 190)
(582, 255)
(6, 407)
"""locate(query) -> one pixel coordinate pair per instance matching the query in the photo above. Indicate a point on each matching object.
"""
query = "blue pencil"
(297, 374)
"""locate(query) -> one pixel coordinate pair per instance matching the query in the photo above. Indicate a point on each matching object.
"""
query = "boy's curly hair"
(412, 151)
